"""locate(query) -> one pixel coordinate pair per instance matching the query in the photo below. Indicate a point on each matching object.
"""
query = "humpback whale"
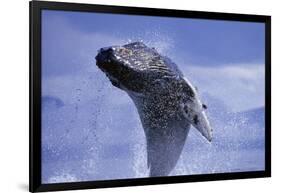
(166, 101)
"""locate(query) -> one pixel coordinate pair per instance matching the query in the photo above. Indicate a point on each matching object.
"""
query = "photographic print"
(135, 96)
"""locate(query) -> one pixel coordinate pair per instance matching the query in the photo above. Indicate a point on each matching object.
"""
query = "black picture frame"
(35, 9)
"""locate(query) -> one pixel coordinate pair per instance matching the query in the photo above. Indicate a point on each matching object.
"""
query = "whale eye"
(204, 106)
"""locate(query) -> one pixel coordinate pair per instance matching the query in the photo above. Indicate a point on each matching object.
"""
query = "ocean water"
(93, 132)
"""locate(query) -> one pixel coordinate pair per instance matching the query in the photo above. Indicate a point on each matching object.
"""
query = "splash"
(162, 42)
(139, 154)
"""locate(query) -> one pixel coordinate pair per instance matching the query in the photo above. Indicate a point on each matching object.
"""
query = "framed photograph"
(126, 96)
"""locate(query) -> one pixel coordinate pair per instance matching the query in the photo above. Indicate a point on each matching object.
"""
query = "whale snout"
(104, 58)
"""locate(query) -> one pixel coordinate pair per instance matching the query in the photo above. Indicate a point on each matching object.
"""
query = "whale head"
(135, 67)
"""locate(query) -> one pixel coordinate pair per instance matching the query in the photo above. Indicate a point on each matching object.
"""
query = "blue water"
(103, 138)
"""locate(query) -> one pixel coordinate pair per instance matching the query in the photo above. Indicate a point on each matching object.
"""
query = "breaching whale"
(167, 103)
